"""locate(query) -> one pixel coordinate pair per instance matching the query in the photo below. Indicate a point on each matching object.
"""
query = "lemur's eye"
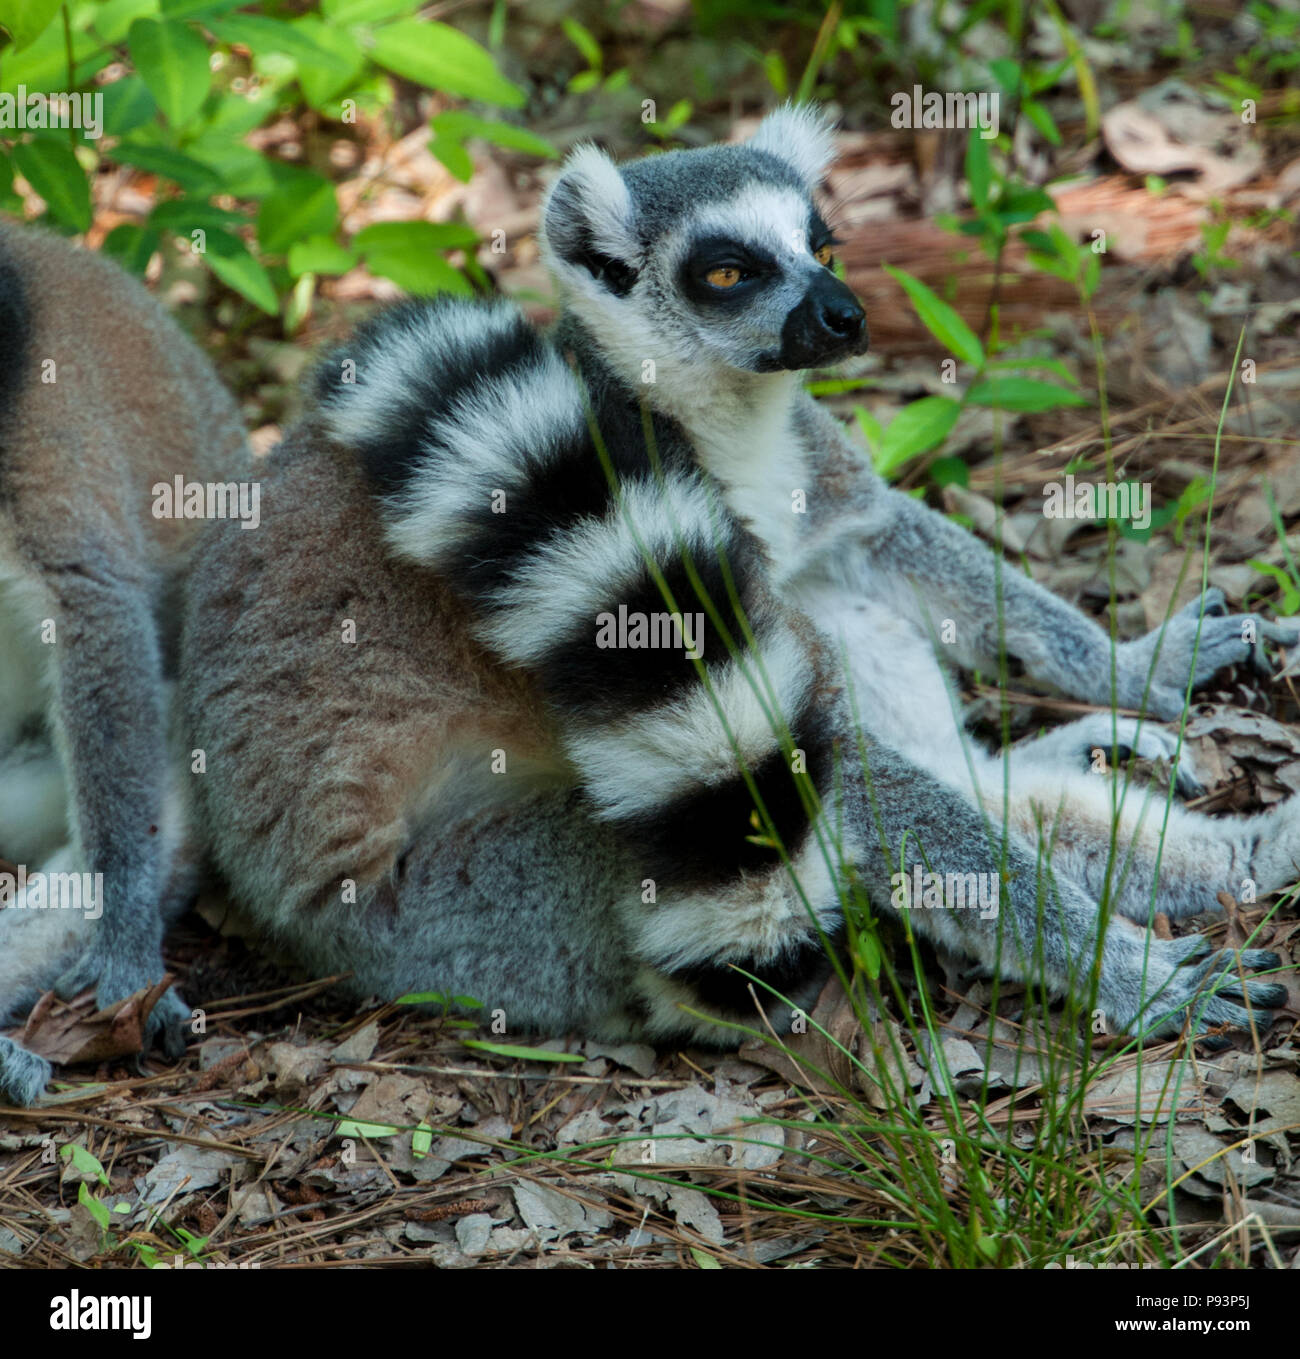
(823, 255)
(725, 276)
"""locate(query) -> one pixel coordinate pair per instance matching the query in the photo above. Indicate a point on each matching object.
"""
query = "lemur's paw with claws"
(1121, 739)
(1191, 989)
(23, 1075)
(1197, 642)
(114, 978)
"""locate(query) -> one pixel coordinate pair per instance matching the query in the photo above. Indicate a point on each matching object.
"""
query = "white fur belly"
(33, 790)
(26, 662)
(896, 684)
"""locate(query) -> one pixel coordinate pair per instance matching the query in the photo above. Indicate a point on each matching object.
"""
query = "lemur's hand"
(1167, 656)
(115, 977)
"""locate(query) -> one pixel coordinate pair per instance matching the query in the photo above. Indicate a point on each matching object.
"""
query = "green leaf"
(49, 166)
(1022, 394)
(127, 106)
(1042, 120)
(9, 200)
(872, 430)
(917, 428)
(131, 246)
(523, 1054)
(192, 175)
(93, 1206)
(320, 255)
(347, 12)
(261, 35)
(979, 169)
(415, 236)
(44, 65)
(948, 472)
(26, 20)
(939, 318)
(410, 254)
(351, 1128)
(704, 1259)
(1290, 601)
(83, 1161)
(1027, 198)
(295, 211)
(1032, 362)
(188, 9)
(582, 39)
(229, 258)
(113, 18)
(173, 61)
(183, 215)
(441, 58)
(459, 125)
(1006, 73)
(869, 954)
(421, 1141)
(321, 85)
(454, 156)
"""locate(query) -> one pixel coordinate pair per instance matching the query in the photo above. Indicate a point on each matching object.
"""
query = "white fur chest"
(762, 468)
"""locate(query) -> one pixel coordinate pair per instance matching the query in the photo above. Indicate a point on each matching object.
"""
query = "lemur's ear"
(587, 220)
(801, 135)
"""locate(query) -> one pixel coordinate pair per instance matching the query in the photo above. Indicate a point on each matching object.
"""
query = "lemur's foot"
(23, 1075)
(1119, 739)
(115, 978)
(1130, 739)
(1191, 989)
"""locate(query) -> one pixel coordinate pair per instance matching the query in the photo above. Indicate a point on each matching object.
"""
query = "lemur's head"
(717, 258)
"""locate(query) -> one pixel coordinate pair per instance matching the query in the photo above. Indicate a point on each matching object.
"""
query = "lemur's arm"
(869, 532)
(500, 489)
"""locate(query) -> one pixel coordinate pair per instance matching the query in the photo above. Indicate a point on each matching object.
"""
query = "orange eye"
(823, 255)
(723, 277)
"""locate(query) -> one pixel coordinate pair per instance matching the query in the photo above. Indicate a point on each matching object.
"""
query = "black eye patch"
(618, 277)
(723, 252)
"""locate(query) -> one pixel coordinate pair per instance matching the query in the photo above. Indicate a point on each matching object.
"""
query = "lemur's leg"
(1166, 858)
(1048, 929)
(655, 742)
(110, 723)
(894, 548)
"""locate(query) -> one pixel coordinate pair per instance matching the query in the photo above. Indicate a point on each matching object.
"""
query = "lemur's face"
(715, 259)
(752, 281)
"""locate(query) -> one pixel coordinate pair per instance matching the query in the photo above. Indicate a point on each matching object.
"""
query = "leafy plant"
(196, 77)
(924, 424)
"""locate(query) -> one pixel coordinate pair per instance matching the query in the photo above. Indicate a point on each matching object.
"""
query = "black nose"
(843, 318)
(826, 326)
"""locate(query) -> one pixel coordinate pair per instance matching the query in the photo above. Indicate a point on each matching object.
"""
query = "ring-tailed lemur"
(453, 740)
(102, 399)
(432, 739)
